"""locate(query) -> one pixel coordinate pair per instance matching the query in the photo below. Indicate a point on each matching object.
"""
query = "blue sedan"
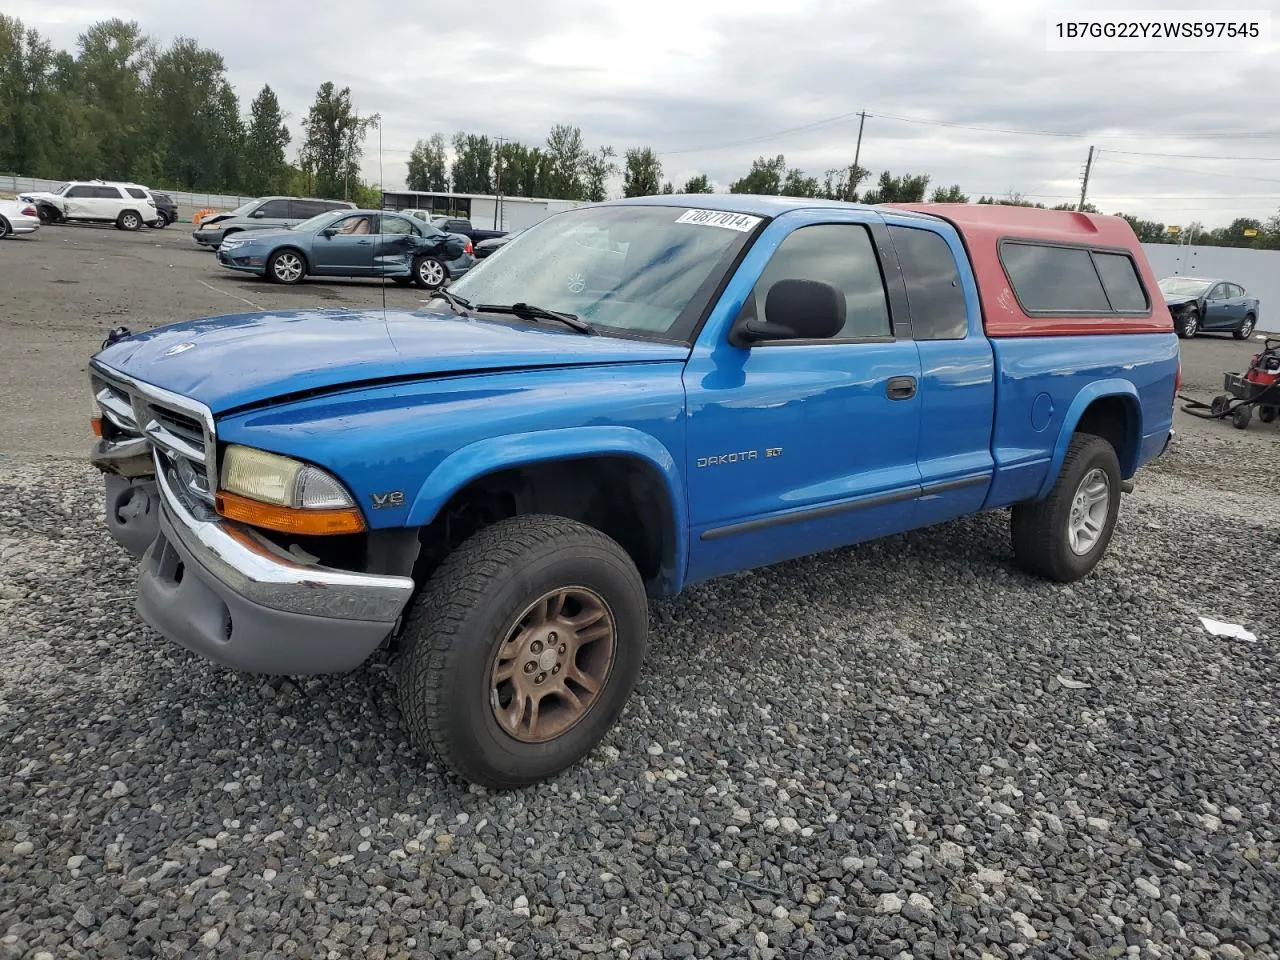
(351, 243)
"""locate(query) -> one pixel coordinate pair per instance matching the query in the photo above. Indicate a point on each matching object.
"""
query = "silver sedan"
(17, 217)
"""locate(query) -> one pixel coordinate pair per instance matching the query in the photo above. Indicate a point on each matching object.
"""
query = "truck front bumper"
(221, 590)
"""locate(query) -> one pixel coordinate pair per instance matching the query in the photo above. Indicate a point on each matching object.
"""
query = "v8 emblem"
(392, 498)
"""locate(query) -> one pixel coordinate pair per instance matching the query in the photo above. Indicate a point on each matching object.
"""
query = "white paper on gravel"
(1220, 629)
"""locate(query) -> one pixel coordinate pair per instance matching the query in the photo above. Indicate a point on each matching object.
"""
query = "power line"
(763, 137)
(1189, 156)
(1196, 173)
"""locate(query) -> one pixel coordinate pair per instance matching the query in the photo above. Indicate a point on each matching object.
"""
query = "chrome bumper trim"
(126, 458)
(245, 563)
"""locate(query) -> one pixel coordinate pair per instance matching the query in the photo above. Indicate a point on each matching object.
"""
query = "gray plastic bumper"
(219, 590)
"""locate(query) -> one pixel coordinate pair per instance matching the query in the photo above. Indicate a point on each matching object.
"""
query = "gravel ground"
(907, 749)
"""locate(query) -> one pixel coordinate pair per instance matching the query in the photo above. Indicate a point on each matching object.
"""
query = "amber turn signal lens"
(95, 424)
(289, 519)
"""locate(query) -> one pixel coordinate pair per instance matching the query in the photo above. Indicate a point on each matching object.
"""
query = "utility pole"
(857, 151)
(497, 203)
(1084, 186)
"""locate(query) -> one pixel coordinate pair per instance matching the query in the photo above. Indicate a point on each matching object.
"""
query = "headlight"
(279, 493)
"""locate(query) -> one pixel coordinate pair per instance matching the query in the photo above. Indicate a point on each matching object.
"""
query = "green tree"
(472, 170)
(951, 194)
(428, 166)
(796, 184)
(596, 171)
(643, 174)
(842, 183)
(1148, 231)
(765, 177)
(568, 159)
(903, 189)
(1011, 199)
(195, 127)
(35, 115)
(265, 166)
(333, 143)
(697, 184)
(109, 79)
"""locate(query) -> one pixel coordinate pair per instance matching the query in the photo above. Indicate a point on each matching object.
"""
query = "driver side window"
(841, 254)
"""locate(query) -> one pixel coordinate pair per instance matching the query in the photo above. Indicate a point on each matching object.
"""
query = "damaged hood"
(233, 361)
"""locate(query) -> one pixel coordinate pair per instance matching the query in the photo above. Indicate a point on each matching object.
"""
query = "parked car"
(1206, 304)
(492, 245)
(497, 484)
(166, 208)
(127, 205)
(456, 225)
(265, 213)
(351, 243)
(17, 217)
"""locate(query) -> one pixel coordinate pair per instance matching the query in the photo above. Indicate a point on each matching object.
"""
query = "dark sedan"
(351, 243)
(1207, 304)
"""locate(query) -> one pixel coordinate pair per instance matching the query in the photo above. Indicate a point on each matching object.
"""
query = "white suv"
(127, 205)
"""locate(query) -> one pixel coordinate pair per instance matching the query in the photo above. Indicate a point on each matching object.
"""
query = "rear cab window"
(1058, 279)
(935, 295)
(136, 193)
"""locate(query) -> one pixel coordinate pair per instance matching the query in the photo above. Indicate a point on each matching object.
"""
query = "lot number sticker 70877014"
(741, 222)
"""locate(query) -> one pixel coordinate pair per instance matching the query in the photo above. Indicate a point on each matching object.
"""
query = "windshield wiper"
(455, 302)
(528, 311)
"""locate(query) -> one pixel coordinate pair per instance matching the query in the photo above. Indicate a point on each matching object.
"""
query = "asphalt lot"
(906, 749)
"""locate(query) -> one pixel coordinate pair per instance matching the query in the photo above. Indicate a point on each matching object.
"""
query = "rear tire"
(1267, 414)
(4, 228)
(429, 273)
(474, 660)
(1245, 329)
(1064, 536)
(1241, 416)
(160, 223)
(129, 220)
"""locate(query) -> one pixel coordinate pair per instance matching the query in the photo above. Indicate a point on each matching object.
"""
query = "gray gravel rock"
(879, 725)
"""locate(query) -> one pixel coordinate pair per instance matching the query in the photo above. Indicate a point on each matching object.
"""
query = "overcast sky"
(711, 84)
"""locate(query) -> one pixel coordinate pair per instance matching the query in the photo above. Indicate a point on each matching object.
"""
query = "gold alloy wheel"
(553, 664)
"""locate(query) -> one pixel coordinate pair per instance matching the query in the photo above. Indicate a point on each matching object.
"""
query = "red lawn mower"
(1259, 386)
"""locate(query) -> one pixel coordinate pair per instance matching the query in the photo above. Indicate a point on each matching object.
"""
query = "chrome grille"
(180, 430)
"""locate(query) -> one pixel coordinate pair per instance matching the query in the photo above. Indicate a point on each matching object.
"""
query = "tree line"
(125, 108)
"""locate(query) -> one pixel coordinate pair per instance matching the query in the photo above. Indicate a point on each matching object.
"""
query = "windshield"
(244, 209)
(1182, 286)
(320, 221)
(634, 268)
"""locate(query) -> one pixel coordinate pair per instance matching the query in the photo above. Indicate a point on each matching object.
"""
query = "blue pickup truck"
(636, 396)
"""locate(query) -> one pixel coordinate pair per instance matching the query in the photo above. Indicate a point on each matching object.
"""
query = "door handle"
(901, 388)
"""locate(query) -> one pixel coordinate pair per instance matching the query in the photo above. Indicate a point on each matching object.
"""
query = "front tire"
(1188, 325)
(523, 650)
(1064, 536)
(287, 267)
(129, 220)
(1245, 329)
(429, 273)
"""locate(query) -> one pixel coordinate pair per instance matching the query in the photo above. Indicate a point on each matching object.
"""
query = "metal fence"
(188, 203)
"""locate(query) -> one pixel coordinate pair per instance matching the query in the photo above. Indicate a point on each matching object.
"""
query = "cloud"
(694, 79)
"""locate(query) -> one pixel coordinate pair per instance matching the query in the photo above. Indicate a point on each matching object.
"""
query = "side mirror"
(793, 310)
(329, 232)
(258, 214)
